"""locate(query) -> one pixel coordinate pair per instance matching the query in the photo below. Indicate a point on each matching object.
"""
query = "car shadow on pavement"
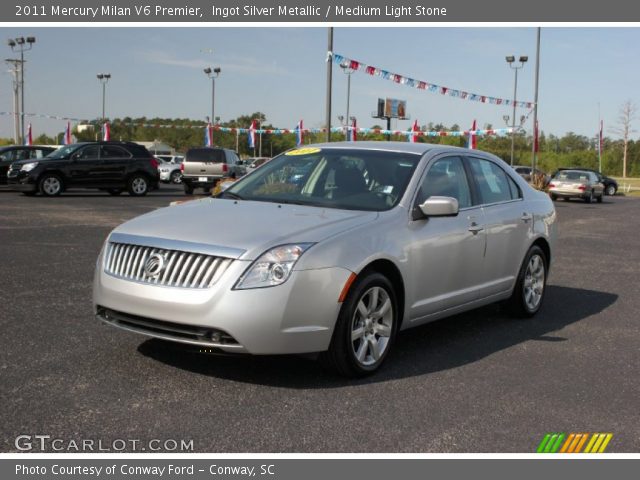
(437, 346)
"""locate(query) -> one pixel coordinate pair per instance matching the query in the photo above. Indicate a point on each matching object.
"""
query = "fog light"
(215, 337)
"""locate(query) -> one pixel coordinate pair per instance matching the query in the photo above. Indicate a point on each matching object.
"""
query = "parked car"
(204, 167)
(525, 172)
(581, 184)
(377, 237)
(170, 170)
(610, 185)
(110, 166)
(13, 153)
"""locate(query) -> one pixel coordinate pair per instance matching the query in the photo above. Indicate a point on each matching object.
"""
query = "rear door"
(446, 254)
(113, 167)
(507, 223)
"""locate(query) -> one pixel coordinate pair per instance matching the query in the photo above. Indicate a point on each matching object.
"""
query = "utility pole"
(16, 65)
(535, 103)
(329, 76)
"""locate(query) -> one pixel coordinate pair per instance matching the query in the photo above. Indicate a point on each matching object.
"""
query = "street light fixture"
(21, 44)
(511, 61)
(103, 78)
(346, 68)
(213, 74)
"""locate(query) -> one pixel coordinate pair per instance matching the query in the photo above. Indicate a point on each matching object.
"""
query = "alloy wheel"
(371, 326)
(534, 282)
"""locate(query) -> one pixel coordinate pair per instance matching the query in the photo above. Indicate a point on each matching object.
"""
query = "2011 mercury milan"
(332, 248)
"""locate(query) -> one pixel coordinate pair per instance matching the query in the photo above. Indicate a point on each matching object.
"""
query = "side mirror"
(440, 207)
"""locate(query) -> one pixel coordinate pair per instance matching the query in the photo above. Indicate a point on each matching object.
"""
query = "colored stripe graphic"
(574, 443)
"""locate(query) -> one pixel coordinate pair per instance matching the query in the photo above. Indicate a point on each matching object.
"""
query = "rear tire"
(600, 198)
(50, 185)
(138, 185)
(365, 329)
(531, 283)
(589, 199)
(188, 189)
(554, 198)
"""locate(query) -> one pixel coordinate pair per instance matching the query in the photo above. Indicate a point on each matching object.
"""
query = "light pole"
(213, 74)
(346, 68)
(15, 72)
(511, 60)
(21, 44)
(103, 78)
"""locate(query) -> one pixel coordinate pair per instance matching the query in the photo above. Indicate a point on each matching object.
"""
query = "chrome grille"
(181, 269)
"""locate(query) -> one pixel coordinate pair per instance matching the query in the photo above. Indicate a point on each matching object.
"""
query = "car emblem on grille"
(154, 265)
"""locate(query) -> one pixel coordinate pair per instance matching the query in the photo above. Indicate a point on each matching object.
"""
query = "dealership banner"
(358, 66)
(317, 11)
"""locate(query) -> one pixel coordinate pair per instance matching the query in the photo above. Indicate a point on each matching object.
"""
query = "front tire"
(611, 190)
(365, 329)
(528, 293)
(138, 186)
(50, 185)
(176, 177)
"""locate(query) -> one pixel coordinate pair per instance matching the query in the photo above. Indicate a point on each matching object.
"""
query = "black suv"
(110, 166)
(610, 185)
(14, 153)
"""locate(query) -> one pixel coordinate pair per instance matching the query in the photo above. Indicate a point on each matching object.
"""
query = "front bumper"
(21, 181)
(165, 176)
(295, 317)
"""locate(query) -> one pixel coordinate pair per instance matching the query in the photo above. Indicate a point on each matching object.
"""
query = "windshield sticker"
(303, 151)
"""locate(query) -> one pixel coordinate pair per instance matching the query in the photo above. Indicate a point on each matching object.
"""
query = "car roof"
(406, 147)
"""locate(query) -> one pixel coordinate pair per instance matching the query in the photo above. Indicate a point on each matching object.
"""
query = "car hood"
(243, 229)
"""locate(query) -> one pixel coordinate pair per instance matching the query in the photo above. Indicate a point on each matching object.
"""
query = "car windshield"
(351, 179)
(63, 151)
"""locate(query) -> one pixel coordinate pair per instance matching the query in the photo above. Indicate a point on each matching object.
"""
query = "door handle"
(526, 217)
(475, 228)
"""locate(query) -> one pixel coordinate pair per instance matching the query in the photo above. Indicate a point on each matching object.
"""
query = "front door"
(446, 255)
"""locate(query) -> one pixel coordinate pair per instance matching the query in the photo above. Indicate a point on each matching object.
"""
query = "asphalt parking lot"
(478, 382)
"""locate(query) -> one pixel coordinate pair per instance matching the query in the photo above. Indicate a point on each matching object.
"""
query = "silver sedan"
(332, 249)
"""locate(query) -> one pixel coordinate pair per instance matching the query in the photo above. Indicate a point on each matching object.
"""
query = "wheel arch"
(390, 270)
(544, 245)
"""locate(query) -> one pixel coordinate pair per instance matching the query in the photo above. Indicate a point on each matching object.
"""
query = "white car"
(170, 169)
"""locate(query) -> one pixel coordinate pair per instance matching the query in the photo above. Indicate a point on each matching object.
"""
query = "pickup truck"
(204, 167)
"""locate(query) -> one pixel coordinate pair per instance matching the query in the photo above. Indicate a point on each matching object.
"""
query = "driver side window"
(446, 178)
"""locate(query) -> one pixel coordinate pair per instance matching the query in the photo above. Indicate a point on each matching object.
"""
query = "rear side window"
(493, 183)
(111, 151)
(205, 155)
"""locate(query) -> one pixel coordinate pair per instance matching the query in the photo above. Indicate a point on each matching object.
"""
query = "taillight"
(225, 168)
(154, 162)
(552, 185)
(182, 167)
(582, 187)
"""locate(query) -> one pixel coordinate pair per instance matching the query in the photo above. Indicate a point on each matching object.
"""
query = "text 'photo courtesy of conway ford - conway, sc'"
(332, 249)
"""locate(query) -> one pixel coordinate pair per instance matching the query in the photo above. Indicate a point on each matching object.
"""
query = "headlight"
(27, 167)
(273, 267)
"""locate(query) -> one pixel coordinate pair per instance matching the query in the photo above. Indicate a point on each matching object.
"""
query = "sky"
(281, 71)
